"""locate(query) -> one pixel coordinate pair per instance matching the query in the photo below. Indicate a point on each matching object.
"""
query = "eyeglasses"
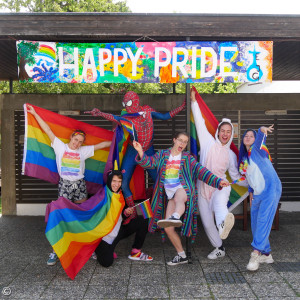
(182, 142)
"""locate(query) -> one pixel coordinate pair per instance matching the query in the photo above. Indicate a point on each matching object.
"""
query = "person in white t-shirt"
(70, 160)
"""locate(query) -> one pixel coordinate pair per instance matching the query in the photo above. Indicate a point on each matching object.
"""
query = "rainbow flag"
(39, 157)
(128, 126)
(145, 208)
(238, 180)
(238, 193)
(74, 231)
(264, 147)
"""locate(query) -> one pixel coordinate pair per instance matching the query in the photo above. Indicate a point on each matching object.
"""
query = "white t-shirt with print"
(71, 163)
(172, 182)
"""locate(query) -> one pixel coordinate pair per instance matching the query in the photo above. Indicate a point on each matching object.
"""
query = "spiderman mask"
(131, 102)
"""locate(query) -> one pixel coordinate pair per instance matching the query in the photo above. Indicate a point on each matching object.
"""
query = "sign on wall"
(140, 62)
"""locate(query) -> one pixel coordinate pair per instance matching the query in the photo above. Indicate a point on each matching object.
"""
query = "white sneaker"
(217, 253)
(267, 259)
(226, 226)
(254, 261)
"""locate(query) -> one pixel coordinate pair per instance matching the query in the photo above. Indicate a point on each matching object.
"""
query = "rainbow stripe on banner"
(238, 193)
(128, 126)
(145, 208)
(74, 231)
(264, 147)
(39, 157)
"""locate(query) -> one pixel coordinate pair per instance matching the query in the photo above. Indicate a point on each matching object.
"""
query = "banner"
(141, 62)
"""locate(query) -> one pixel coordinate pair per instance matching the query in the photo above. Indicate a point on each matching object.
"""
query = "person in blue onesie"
(264, 189)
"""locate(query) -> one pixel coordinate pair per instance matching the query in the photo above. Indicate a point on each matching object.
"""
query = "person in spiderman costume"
(142, 119)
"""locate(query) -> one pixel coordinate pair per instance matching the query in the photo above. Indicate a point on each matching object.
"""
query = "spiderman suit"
(142, 119)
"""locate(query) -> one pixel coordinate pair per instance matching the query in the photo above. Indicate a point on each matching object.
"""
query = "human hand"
(94, 112)
(138, 147)
(30, 109)
(224, 183)
(193, 95)
(129, 211)
(265, 130)
(250, 198)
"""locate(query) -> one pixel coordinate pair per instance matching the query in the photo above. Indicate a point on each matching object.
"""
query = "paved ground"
(25, 275)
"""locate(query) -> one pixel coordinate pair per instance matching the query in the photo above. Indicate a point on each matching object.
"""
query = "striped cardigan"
(189, 171)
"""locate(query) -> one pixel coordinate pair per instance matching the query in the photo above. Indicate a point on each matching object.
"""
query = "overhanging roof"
(284, 30)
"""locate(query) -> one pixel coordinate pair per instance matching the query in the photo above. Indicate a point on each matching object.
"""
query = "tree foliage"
(64, 6)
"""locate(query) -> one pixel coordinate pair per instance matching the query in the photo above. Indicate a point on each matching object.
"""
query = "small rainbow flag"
(128, 126)
(74, 231)
(264, 147)
(145, 208)
(238, 193)
(238, 180)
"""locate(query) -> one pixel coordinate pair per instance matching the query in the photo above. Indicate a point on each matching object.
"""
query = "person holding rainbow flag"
(265, 191)
(216, 155)
(139, 225)
(70, 160)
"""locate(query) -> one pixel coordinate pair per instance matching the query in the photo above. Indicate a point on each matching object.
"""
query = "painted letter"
(194, 62)
(158, 63)
(63, 66)
(224, 64)
(103, 61)
(118, 62)
(179, 64)
(212, 71)
(134, 59)
(89, 63)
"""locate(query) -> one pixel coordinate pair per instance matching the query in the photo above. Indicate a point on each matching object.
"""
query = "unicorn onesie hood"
(216, 157)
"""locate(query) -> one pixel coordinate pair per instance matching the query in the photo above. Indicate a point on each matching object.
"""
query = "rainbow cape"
(74, 231)
(238, 193)
(39, 157)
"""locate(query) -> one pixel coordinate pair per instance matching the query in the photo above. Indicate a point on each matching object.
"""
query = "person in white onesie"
(216, 155)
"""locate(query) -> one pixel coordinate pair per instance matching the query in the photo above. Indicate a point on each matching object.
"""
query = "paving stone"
(220, 267)
(64, 292)
(25, 291)
(241, 290)
(259, 277)
(287, 266)
(147, 291)
(224, 277)
(184, 291)
(272, 289)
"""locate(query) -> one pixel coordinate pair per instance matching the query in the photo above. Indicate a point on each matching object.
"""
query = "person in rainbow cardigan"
(177, 172)
(265, 191)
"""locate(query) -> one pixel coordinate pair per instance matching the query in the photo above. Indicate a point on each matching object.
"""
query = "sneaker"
(226, 226)
(267, 259)
(140, 256)
(170, 222)
(217, 253)
(178, 260)
(254, 261)
(52, 259)
(94, 255)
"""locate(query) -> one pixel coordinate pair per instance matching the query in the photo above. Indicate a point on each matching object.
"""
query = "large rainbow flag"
(74, 231)
(39, 157)
(238, 193)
